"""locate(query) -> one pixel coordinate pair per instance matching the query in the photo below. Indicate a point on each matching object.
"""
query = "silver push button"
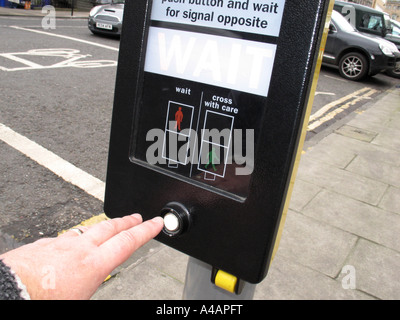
(171, 222)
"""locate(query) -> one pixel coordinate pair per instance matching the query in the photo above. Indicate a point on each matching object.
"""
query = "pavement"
(341, 239)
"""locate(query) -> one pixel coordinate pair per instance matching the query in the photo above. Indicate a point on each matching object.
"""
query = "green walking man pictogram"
(212, 158)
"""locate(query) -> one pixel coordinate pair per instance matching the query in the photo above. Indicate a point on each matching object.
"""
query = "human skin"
(73, 266)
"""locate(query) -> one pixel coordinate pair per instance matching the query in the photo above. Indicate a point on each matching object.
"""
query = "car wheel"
(353, 66)
(395, 73)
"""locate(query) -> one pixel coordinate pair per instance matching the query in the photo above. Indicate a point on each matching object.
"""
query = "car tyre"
(353, 66)
(395, 73)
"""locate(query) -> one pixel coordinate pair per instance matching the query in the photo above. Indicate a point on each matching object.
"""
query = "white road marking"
(72, 58)
(12, 56)
(41, 155)
(58, 27)
(54, 163)
(66, 37)
(324, 93)
(335, 78)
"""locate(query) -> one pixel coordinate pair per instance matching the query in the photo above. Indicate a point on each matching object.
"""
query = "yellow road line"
(89, 222)
(333, 104)
(354, 98)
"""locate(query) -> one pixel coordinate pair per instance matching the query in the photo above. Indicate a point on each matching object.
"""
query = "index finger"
(101, 232)
(120, 247)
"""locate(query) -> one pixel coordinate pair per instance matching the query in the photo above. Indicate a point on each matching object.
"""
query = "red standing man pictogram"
(178, 118)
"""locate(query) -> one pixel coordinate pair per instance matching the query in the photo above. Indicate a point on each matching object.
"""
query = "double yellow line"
(324, 114)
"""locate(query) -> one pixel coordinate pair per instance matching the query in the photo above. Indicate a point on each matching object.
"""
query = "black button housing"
(181, 213)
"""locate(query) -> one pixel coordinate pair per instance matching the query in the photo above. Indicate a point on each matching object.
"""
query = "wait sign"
(230, 63)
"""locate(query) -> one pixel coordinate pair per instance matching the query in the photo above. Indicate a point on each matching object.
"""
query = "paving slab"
(356, 217)
(315, 244)
(157, 277)
(391, 200)
(341, 181)
(377, 270)
(331, 152)
(289, 280)
(143, 281)
(339, 150)
(385, 138)
(372, 167)
(303, 193)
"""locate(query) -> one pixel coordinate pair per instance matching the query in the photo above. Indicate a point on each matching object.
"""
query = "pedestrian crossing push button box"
(210, 101)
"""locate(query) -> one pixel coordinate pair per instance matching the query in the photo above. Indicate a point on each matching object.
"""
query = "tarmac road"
(58, 93)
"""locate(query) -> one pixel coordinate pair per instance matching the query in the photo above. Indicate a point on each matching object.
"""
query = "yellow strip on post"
(225, 281)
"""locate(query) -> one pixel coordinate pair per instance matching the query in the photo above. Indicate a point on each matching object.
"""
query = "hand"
(73, 266)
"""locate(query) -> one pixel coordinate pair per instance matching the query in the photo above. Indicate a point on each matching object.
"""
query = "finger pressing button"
(176, 219)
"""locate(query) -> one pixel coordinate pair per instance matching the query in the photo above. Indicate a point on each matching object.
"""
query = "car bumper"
(383, 63)
(99, 26)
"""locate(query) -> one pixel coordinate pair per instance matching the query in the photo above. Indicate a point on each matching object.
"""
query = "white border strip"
(54, 163)
(67, 37)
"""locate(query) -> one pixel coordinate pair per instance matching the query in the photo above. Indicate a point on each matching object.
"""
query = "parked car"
(107, 19)
(357, 55)
(395, 33)
(370, 21)
(365, 19)
(395, 38)
(395, 27)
